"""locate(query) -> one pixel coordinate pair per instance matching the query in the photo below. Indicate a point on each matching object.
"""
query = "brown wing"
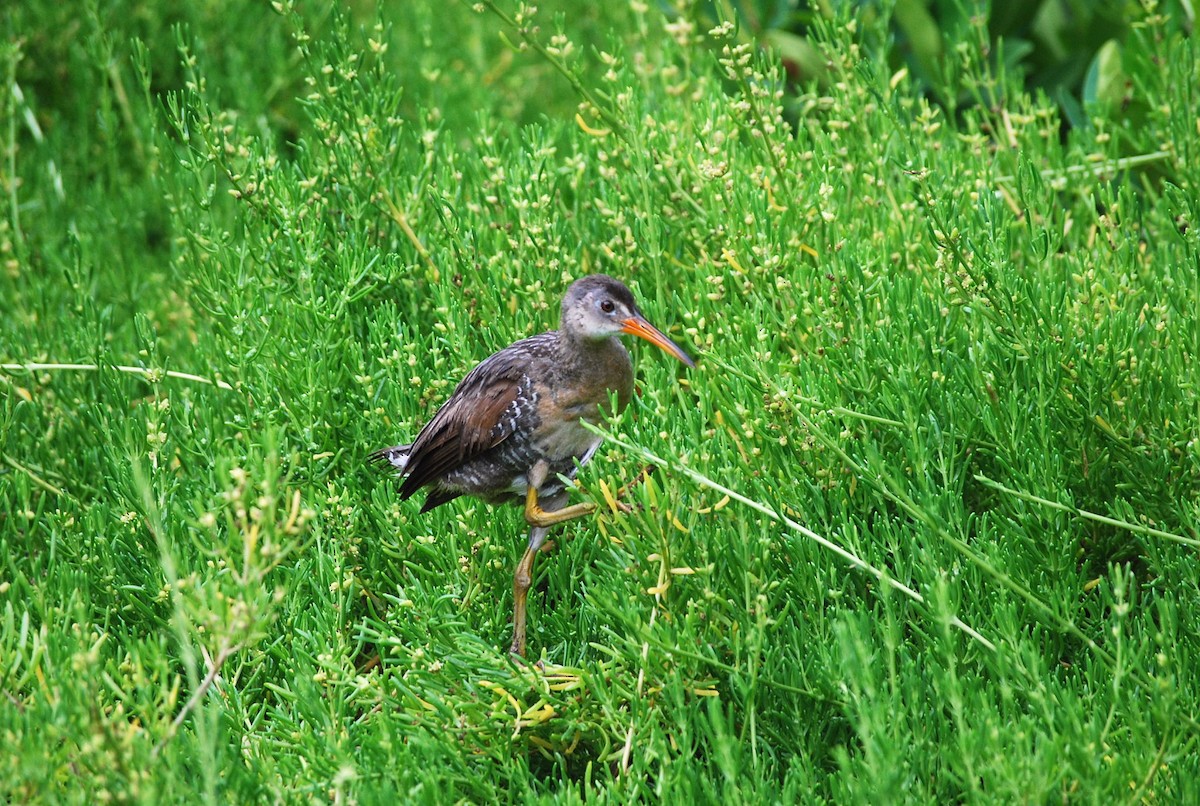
(476, 418)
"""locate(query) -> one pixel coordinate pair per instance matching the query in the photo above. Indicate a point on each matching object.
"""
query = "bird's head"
(597, 307)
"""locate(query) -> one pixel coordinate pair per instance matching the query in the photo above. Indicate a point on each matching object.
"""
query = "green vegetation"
(925, 528)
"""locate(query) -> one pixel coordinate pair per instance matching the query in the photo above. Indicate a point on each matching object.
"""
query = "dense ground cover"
(925, 522)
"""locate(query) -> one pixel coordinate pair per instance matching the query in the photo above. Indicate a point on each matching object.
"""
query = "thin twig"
(1136, 528)
(1155, 766)
(847, 555)
(609, 117)
(1097, 168)
(149, 374)
(223, 655)
(34, 477)
(401, 219)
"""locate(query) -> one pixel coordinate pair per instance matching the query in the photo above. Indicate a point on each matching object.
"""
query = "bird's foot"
(537, 517)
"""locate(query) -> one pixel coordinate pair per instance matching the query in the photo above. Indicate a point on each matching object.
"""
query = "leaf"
(1106, 81)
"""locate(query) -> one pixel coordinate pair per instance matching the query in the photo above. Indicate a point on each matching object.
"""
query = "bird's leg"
(523, 576)
(522, 579)
(540, 520)
(535, 514)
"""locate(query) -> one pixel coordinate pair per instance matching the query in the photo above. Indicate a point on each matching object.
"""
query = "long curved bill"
(638, 326)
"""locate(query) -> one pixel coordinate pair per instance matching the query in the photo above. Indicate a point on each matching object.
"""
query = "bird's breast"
(562, 434)
(564, 439)
(577, 391)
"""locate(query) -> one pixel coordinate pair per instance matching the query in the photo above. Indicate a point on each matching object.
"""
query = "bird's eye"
(607, 306)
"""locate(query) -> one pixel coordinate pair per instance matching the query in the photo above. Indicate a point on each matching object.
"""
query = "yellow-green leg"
(522, 579)
(537, 516)
(540, 519)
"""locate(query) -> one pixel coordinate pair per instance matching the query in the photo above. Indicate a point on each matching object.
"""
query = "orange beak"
(638, 326)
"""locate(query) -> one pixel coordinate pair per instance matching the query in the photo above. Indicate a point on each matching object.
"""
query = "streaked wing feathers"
(472, 421)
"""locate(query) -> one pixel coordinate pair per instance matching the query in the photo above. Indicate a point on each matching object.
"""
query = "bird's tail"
(396, 456)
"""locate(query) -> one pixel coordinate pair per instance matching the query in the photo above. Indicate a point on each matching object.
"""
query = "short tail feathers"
(396, 456)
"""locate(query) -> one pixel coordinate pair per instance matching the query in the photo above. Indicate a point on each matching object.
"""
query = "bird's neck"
(590, 349)
(598, 367)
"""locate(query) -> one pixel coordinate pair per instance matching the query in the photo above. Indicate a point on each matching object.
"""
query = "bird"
(514, 427)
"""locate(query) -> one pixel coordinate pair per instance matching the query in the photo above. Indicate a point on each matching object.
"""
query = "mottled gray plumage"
(526, 405)
(493, 427)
